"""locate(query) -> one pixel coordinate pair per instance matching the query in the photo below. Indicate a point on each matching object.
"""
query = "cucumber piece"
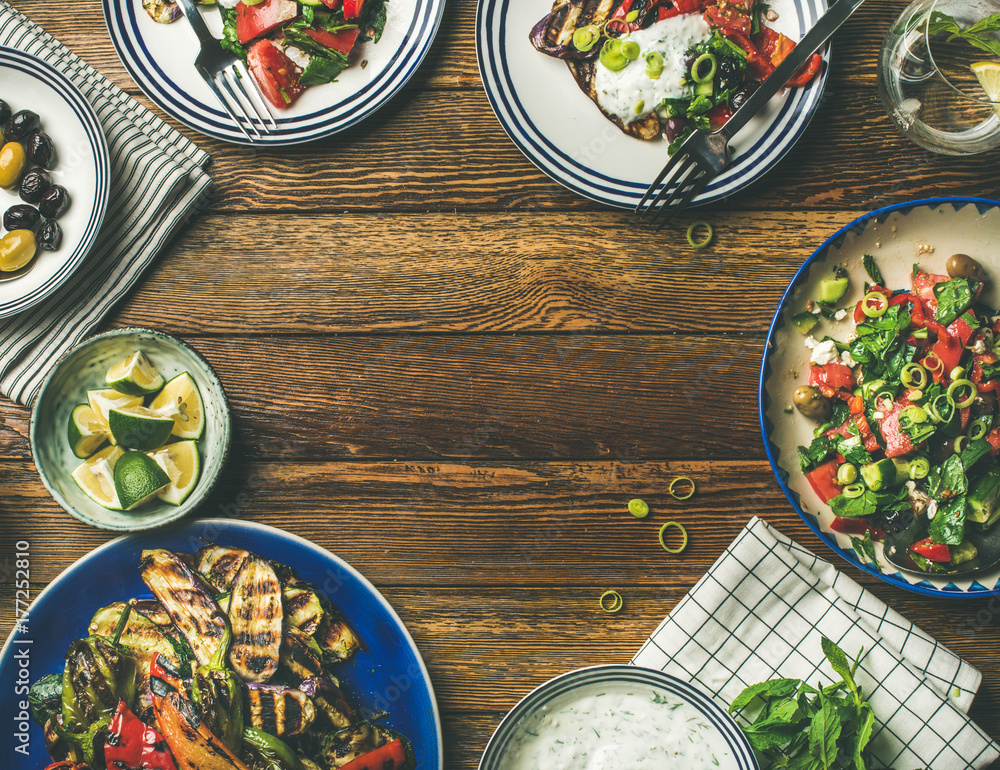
(964, 551)
(886, 473)
(705, 89)
(805, 322)
(832, 290)
(983, 501)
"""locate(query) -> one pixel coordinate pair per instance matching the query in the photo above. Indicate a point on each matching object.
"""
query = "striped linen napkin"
(158, 182)
(759, 613)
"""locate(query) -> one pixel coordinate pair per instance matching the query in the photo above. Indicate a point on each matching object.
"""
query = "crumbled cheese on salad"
(846, 360)
(840, 315)
(824, 352)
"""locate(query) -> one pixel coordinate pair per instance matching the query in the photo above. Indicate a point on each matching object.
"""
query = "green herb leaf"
(872, 269)
(948, 525)
(824, 730)
(774, 688)
(855, 507)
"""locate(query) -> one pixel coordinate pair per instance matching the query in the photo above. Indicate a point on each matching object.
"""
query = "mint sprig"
(800, 727)
(981, 35)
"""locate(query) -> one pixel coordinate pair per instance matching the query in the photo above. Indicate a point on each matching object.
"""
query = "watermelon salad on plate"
(290, 45)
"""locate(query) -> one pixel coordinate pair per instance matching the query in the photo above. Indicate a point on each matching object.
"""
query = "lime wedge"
(139, 428)
(86, 431)
(137, 479)
(988, 75)
(182, 464)
(103, 401)
(181, 401)
(135, 376)
(96, 478)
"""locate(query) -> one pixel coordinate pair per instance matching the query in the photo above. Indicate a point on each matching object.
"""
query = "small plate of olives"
(946, 236)
(54, 180)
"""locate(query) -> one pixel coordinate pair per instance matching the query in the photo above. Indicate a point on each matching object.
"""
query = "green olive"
(964, 266)
(812, 403)
(12, 162)
(17, 249)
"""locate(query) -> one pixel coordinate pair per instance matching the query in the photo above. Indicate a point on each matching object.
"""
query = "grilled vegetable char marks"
(280, 711)
(255, 614)
(186, 599)
(220, 565)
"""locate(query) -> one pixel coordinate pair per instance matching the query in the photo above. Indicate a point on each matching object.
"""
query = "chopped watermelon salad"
(909, 429)
(289, 45)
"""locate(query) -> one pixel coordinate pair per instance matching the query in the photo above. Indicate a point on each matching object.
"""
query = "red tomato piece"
(923, 287)
(728, 19)
(392, 756)
(961, 329)
(856, 405)
(688, 6)
(947, 348)
(993, 437)
(856, 527)
(342, 41)
(253, 21)
(333, 5)
(806, 72)
(931, 551)
(352, 8)
(896, 442)
(823, 480)
(276, 74)
(831, 378)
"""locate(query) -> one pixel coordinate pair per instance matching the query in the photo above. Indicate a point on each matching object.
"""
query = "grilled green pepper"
(218, 693)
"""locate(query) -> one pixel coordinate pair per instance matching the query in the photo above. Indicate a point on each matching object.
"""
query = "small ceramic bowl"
(604, 712)
(83, 369)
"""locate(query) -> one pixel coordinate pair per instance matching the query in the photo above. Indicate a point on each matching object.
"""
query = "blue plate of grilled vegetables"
(218, 645)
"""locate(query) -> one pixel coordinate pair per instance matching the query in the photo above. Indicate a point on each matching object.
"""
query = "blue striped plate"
(82, 167)
(160, 58)
(925, 232)
(723, 736)
(562, 131)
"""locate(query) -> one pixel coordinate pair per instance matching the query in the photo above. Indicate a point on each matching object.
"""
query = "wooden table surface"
(454, 373)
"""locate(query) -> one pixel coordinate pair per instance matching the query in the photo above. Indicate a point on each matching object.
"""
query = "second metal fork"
(703, 156)
(225, 74)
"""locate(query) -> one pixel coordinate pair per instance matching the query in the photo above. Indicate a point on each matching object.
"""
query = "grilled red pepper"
(352, 8)
(856, 527)
(133, 745)
(932, 551)
(759, 65)
(391, 756)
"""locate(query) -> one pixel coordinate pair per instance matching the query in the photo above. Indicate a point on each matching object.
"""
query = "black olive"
(34, 184)
(738, 99)
(894, 521)
(21, 124)
(21, 217)
(728, 72)
(674, 127)
(41, 150)
(54, 202)
(4, 111)
(49, 235)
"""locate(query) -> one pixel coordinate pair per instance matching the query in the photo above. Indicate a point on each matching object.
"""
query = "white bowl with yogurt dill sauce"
(614, 716)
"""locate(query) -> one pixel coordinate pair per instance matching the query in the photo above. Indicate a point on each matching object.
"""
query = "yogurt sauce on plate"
(617, 725)
(620, 92)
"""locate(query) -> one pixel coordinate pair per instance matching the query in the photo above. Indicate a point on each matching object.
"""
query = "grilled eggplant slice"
(553, 35)
(255, 614)
(141, 638)
(187, 600)
(153, 611)
(280, 711)
(330, 701)
(343, 746)
(300, 655)
(220, 564)
(337, 639)
(303, 608)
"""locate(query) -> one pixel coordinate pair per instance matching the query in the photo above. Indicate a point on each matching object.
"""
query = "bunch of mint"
(800, 727)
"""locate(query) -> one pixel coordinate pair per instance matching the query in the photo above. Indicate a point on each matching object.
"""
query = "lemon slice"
(182, 464)
(139, 428)
(135, 376)
(137, 479)
(988, 75)
(86, 431)
(103, 401)
(96, 478)
(181, 401)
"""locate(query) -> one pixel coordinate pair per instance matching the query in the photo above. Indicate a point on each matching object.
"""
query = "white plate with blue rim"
(622, 716)
(924, 232)
(81, 166)
(561, 131)
(160, 58)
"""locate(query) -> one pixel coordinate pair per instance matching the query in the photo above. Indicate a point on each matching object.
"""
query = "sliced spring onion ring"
(663, 537)
(698, 75)
(586, 37)
(941, 409)
(631, 50)
(611, 55)
(640, 107)
(883, 401)
(611, 601)
(978, 429)
(616, 27)
(847, 474)
(919, 468)
(709, 232)
(631, 16)
(638, 508)
(957, 373)
(913, 375)
(852, 491)
(916, 395)
(914, 415)
(874, 304)
(960, 444)
(681, 480)
(933, 364)
(654, 65)
(963, 393)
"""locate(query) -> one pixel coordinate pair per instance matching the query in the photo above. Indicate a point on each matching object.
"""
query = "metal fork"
(225, 73)
(703, 156)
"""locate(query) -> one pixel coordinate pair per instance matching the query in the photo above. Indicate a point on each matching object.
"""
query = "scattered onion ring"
(638, 508)
(616, 601)
(681, 480)
(663, 537)
(704, 241)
